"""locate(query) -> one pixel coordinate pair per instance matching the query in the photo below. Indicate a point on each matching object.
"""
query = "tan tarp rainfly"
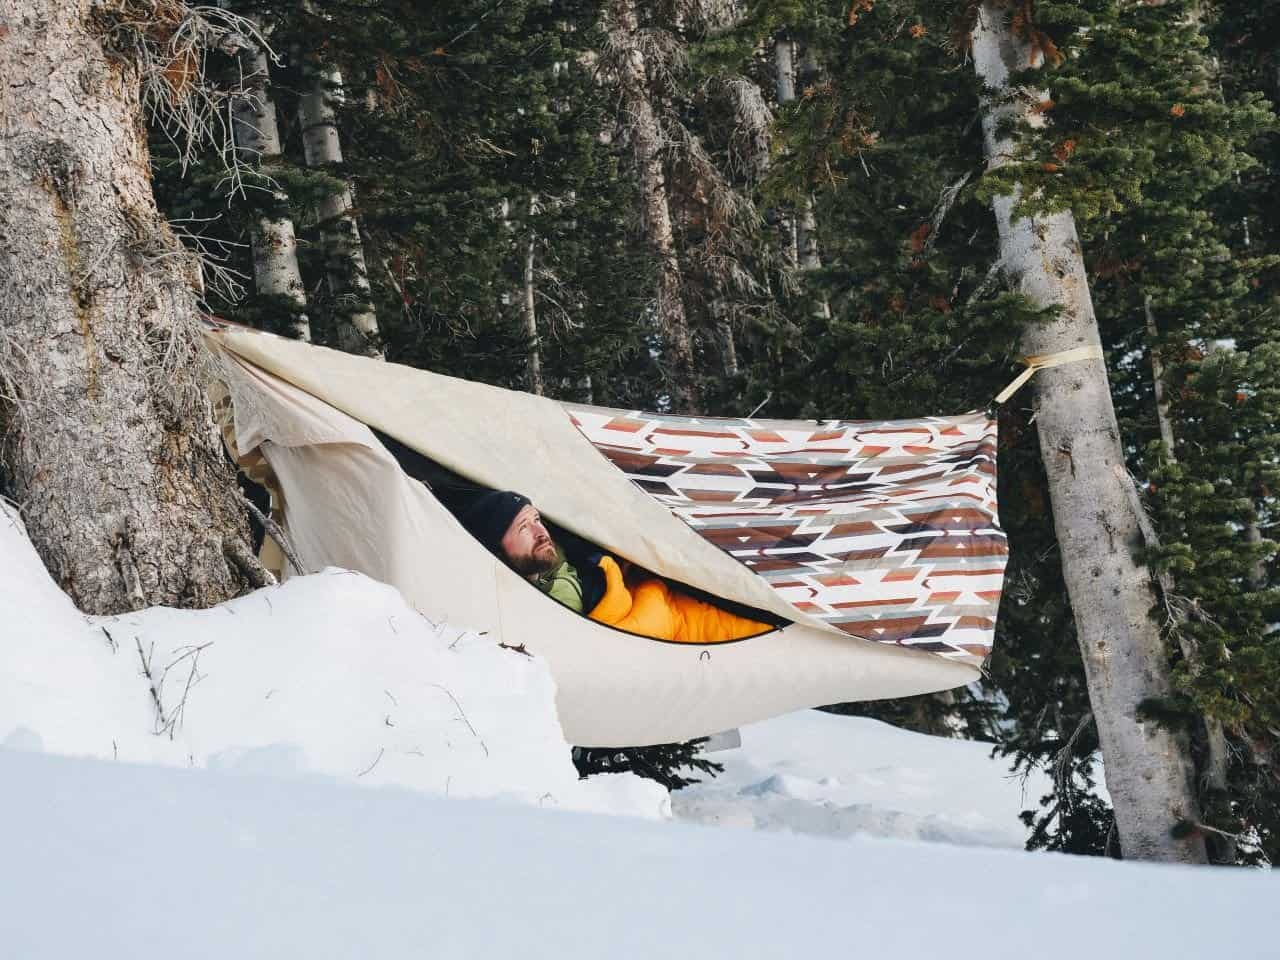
(299, 416)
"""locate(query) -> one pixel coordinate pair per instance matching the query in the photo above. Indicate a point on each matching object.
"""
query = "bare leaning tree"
(1148, 767)
(108, 443)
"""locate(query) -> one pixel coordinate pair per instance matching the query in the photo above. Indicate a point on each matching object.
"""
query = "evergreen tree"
(1145, 147)
(664, 763)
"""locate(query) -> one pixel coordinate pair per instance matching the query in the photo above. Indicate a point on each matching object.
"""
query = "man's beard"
(543, 559)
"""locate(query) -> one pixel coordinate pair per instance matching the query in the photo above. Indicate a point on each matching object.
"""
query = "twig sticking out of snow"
(169, 722)
(193, 677)
(161, 722)
(463, 717)
(110, 639)
(381, 751)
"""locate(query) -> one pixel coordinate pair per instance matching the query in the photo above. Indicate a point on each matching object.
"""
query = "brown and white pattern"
(887, 530)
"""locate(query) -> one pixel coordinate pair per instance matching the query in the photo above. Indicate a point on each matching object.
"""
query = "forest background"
(794, 209)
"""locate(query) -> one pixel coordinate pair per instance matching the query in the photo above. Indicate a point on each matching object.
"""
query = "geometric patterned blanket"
(886, 530)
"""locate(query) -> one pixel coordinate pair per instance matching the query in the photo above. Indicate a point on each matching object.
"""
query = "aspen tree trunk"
(801, 230)
(1148, 769)
(646, 138)
(807, 224)
(275, 245)
(1253, 537)
(339, 233)
(784, 66)
(109, 445)
(1157, 377)
(531, 317)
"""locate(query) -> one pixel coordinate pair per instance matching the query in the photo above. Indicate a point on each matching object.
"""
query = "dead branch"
(174, 722)
(276, 534)
(381, 751)
(463, 717)
(145, 659)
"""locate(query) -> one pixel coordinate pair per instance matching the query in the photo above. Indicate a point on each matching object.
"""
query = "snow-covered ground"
(814, 772)
(114, 861)
(280, 776)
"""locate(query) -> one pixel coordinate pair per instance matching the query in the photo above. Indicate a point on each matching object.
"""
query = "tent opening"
(456, 493)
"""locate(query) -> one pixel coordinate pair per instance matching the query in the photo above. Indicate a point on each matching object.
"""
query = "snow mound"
(330, 675)
(815, 772)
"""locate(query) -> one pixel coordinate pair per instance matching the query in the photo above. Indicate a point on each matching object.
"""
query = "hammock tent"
(875, 545)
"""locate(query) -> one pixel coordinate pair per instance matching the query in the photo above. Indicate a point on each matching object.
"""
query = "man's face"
(528, 546)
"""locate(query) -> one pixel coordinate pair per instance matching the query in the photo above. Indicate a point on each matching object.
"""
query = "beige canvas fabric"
(512, 441)
(348, 504)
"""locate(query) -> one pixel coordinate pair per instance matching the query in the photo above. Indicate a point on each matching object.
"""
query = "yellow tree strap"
(1047, 360)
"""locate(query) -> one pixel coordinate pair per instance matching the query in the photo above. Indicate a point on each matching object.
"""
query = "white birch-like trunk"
(1253, 537)
(784, 67)
(646, 138)
(807, 222)
(1157, 376)
(339, 232)
(109, 445)
(801, 230)
(531, 318)
(273, 239)
(1149, 772)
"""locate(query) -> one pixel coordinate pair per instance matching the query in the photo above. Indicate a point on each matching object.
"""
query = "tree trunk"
(339, 233)
(646, 139)
(275, 245)
(531, 318)
(1157, 377)
(724, 333)
(784, 68)
(109, 446)
(1149, 773)
(800, 229)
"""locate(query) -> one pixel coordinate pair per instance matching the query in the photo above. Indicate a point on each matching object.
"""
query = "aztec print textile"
(887, 530)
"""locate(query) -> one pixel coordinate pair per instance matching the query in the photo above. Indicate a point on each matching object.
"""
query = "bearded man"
(594, 584)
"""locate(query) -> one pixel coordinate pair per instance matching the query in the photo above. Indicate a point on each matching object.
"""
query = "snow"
(331, 674)
(114, 861)
(821, 773)
(297, 794)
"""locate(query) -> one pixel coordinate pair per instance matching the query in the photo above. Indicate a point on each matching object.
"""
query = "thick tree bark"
(109, 446)
(339, 232)
(646, 138)
(274, 241)
(1149, 772)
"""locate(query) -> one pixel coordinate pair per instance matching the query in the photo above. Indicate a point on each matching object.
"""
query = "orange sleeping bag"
(647, 606)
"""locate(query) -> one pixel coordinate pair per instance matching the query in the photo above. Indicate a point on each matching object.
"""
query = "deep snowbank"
(114, 861)
(331, 674)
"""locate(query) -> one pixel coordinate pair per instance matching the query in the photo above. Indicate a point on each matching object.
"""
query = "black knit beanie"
(489, 515)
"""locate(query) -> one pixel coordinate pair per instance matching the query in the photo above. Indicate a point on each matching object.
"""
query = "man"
(595, 585)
